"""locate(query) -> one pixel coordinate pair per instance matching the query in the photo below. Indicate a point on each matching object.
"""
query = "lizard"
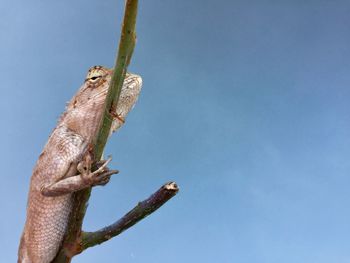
(64, 165)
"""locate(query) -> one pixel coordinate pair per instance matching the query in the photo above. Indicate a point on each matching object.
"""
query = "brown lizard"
(64, 166)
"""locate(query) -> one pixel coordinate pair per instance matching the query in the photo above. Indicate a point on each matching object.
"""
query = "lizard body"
(64, 166)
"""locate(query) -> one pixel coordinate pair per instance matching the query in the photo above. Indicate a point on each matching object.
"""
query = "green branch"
(72, 243)
(126, 48)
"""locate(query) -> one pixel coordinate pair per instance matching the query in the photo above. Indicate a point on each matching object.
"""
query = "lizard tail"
(22, 252)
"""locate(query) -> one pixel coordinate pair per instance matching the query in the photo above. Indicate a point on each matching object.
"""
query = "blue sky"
(245, 105)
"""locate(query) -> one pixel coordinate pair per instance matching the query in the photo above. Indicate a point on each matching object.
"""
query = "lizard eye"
(93, 79)
(95, 74)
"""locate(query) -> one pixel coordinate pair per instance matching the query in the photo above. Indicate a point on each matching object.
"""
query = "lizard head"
(89, 101)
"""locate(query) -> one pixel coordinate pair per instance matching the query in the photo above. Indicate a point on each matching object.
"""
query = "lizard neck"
(84, 122)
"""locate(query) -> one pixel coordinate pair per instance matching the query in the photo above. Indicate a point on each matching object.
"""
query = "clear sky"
(245, 105)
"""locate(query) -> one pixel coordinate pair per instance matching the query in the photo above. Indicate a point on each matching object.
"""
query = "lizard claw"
(104, 178)
(117, 116)
(103, 165)
(99, 177)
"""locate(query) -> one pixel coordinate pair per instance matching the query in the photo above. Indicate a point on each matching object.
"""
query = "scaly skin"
(64, 165)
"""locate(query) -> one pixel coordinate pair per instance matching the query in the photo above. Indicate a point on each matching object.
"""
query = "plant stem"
(139, 212)
(72, 243)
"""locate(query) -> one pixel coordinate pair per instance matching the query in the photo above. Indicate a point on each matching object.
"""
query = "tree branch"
(139, 212)
(71, 244)
(125, 50)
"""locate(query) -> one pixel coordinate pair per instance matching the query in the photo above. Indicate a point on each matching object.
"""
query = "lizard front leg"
(85, 178)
